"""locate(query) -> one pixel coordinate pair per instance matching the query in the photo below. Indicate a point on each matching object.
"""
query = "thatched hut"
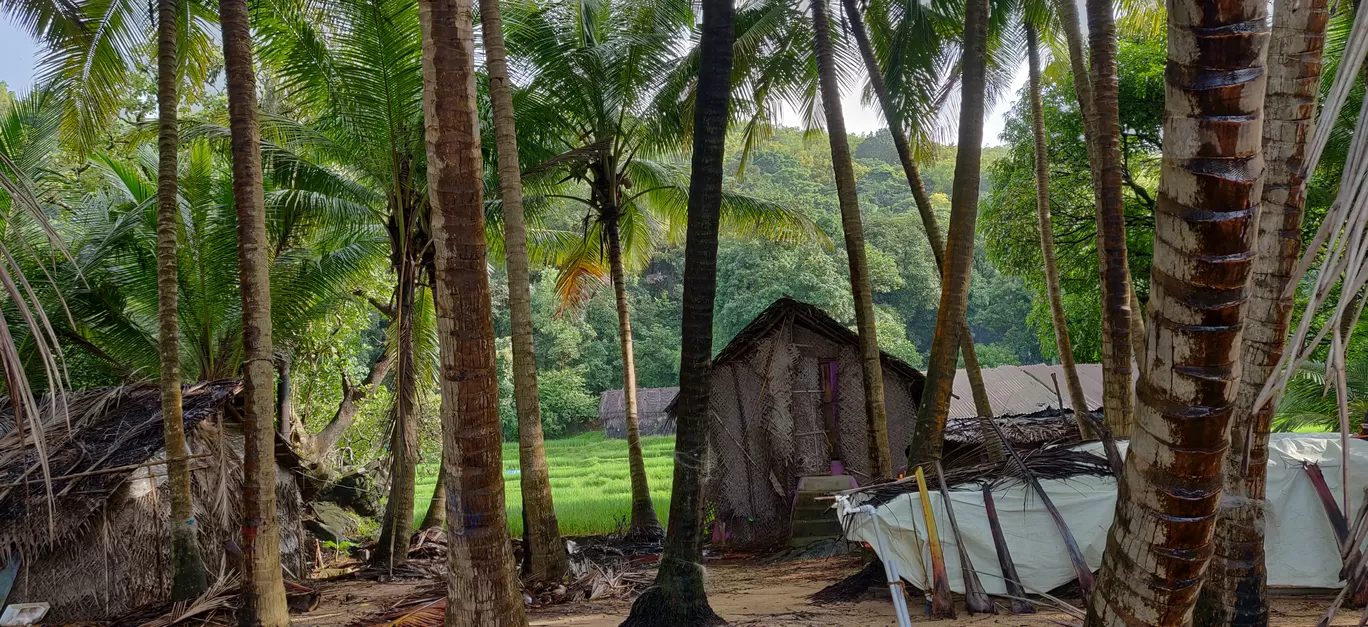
(95, 543)
(788, 402)
(653, 417)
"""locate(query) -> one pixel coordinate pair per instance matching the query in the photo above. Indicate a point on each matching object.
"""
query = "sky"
(19, 52)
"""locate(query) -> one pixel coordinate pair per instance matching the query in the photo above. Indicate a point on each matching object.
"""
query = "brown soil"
(746, 592)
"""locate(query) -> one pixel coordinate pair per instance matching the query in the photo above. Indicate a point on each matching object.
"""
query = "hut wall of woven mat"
(766, 427)
(99, 547)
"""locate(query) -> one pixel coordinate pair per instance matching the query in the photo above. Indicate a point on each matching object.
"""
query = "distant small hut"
(652, 417)
(98, 546)
(788, 402)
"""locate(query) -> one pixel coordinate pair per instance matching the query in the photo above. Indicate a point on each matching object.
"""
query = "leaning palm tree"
(263, 589)
(880, 459)
(187, 568)
(481, 586)
(930, 62)
(545, 557)
(1063, 345)
(678, 597)
(1210, 192)
(959, 248)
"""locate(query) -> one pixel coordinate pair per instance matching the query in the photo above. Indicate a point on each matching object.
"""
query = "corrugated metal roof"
(1016, 390)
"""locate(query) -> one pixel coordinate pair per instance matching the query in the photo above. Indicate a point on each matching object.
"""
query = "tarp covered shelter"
(1300, 543)
(99, 546)
(653, 417)
(787, 399)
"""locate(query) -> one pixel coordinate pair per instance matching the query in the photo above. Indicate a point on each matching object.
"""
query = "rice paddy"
(589, 482)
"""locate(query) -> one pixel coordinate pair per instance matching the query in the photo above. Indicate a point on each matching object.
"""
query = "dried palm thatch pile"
(1051, 462)
(90, 529)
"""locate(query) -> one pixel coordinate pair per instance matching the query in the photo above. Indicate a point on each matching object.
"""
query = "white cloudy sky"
(18, 54)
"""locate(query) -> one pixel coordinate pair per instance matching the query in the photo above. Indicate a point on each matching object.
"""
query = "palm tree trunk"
(959, 251)
(263, 590)
(436, 511)
(1042, 173)
(982, 404)
(187, 568)
(482, 587)
(644, 520)
(1235, 591)
(1118, 400)
(1205, 223)
(397, 530)
(880, 460)
(678, 598)
(545, 552)
(284, 403)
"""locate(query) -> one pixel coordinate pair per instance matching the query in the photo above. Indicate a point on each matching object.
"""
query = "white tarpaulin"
(1299, 543)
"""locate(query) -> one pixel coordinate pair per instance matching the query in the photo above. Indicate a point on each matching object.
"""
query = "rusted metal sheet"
(1025, 389)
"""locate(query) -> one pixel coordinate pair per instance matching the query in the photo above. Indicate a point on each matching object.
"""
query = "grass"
(589, 482)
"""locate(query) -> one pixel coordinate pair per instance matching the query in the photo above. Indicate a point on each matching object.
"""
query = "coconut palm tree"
(543, 549)
(974, 373)
(187, 568)
(607, 117)
(1236, 587)
(879, 457)
(959, 248)
(1209, 194)
(263, 594)
(481, 586)
(678, 597)
(1056, 295)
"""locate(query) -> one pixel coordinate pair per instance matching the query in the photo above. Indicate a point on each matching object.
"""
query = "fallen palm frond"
(219, 596)
(1009, 572)
(975, 599)
(1328, 502)
(1051, 463)
(942, 604)
(1085, 576)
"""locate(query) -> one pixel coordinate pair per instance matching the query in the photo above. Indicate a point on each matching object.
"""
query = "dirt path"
(751, 594)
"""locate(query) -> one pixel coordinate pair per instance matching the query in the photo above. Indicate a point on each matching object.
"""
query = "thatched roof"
(811, 317)
(1051, 462)
(650, 401)
(103, 434)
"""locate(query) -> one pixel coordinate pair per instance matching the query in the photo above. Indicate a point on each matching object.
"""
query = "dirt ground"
(747, 593)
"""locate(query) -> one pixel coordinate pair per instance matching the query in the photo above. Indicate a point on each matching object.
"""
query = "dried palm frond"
(218, 596)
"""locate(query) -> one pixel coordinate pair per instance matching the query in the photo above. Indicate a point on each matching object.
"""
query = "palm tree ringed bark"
(1236, 588)
(959, 251)
(880, 459)
(982, 404)
(1118, 396)
(187, 568)
(677, 599)
(544, 552)
(1205, 222)
(263, 589)
(397, 530)
(482, 587)
(1042, 175)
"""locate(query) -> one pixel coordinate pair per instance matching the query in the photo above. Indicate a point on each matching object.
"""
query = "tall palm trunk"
(392, 547)
(544, 552)
(1235, 591)
(982, 404)
(678, 597)
(880, 460)
(482, 586)
(644, 521)
(187, 568)
(1205, 223)
(263, 590)
(959, 251)
(1047, 251)
(1118, 400)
